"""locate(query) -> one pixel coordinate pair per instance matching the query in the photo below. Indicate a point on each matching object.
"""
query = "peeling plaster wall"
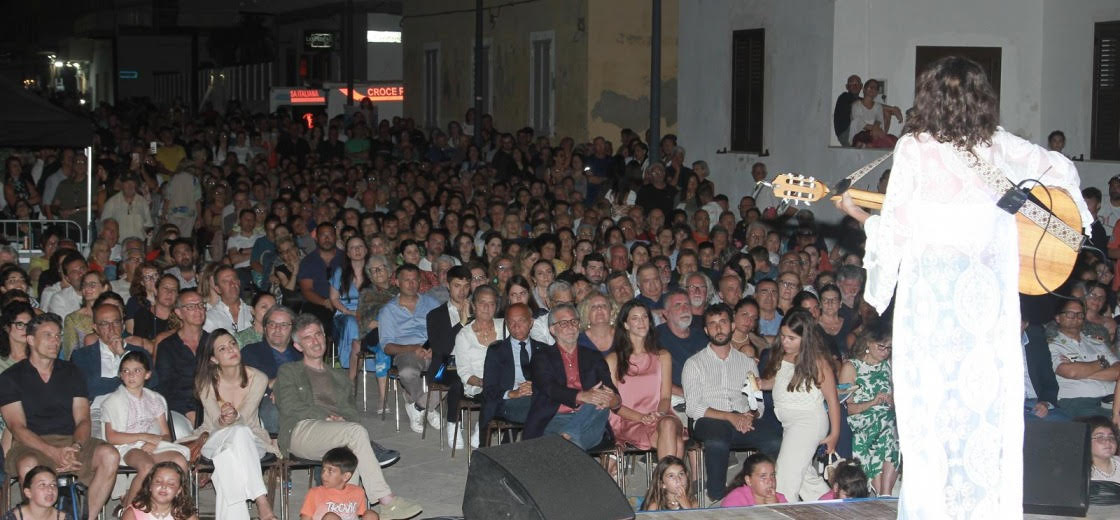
(618, 78)
(509, 31)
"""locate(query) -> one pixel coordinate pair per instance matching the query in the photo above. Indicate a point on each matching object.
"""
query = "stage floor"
(878, 509)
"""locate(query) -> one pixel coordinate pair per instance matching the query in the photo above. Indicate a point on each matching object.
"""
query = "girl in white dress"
(135, 420)
(801, 376)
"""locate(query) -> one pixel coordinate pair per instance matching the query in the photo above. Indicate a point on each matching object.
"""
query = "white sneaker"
(415, 418)
(433, 417)
(453, 441)
(474, 436)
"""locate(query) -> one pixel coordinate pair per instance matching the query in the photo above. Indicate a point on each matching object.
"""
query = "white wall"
(797, 97)
(878, 38)
(812, 46)
(1067, 79)
(384, 61)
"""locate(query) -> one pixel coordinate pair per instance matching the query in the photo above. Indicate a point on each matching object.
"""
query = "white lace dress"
(958, 369)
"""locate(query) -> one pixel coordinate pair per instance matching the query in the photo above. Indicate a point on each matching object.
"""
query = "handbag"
(818, 476)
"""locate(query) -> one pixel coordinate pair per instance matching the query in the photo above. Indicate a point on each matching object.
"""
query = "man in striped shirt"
(713, 380)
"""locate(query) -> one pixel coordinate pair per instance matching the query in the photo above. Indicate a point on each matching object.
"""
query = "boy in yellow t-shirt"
(336, 499)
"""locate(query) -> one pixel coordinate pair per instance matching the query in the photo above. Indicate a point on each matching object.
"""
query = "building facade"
(575, 68)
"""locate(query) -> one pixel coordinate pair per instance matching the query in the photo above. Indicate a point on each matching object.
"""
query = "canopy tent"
(27, 120)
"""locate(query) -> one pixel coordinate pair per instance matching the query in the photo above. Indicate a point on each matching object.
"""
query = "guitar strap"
(994, 178)
(855, 176)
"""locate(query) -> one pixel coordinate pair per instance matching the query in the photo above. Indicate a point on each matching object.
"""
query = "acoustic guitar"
(1045, 258)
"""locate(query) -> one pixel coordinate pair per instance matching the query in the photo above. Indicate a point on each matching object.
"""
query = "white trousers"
(802, 431)
(236, 454)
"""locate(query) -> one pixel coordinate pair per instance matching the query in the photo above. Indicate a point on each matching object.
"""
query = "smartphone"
(153, 147)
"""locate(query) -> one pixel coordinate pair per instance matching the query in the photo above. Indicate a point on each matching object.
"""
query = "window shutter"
(1106, 92)
(747, 63)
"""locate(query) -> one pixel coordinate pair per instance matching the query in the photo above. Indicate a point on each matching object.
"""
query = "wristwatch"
(1102, 361)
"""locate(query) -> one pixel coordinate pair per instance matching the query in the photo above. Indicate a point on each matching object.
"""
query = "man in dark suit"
(507, 387)
(572, 390)
(444, 323)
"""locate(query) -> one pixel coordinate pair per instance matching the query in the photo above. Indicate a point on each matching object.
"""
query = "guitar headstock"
(796, 188)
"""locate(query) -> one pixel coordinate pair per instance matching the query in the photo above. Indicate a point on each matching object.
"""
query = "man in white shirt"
(239, 247)
(129, 210)
(50, 184)
(182, 251)
(1110, 209)
(1085, 368)
(133, 256)
(713, 380)
(435, 245)
(230, 312)
(68, 298)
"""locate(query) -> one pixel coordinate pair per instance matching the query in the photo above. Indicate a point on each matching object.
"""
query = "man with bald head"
(100, 362)
(507, 381)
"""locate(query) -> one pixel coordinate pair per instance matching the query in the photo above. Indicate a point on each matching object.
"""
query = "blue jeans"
(584, 427)
(516, 410)
(1054, 415)
(269, 414)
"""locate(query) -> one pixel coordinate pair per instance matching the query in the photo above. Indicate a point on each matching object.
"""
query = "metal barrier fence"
(27, 235)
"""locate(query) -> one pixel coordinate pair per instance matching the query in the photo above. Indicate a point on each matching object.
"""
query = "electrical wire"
(510, 3)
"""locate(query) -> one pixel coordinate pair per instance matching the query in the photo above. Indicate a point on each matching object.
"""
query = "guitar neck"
(864, 199)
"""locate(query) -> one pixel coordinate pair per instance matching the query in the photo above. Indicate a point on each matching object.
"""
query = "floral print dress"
(874, 433)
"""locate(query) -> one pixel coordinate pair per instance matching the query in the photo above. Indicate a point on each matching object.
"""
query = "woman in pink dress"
(644, 420)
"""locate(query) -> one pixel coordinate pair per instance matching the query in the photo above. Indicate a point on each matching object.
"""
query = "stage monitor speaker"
(1056, 464)
(541, 479)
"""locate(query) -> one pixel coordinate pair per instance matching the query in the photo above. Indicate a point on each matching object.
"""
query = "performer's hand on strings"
(849, 207)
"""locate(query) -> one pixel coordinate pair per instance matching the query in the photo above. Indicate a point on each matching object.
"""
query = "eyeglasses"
(20, 324)
(1073, 314)
(193, 306)
(114, 323)
(478, 278)
(149, 277)
(885, 347)
(787, 285)
(277, 325)
(696, 287)
(566, 323)
(1105, 438)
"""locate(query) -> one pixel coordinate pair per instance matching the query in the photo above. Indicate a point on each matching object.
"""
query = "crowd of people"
(575, 288)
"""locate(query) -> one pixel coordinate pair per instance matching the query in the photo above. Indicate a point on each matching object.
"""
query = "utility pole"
(348, 34)
(655, 85)
(478, 73)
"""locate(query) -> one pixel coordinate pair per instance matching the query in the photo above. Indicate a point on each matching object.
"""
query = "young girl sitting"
(40, 491)
(848, 481)
(803, 383)
(670, 488)
(755, 484)
(163, 496)
(135, 420)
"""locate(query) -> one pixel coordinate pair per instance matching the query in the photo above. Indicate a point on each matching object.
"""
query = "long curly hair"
(955, 103)
(182, 507)
(806, 372)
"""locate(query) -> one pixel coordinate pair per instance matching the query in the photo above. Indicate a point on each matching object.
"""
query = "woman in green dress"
(871, 409)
